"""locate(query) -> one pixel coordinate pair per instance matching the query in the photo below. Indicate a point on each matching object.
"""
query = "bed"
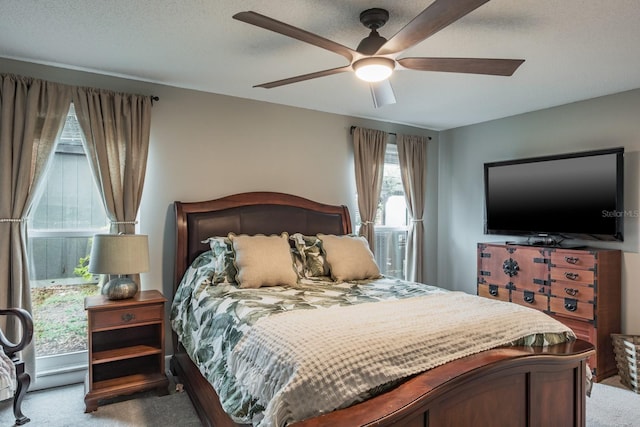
(507, 385)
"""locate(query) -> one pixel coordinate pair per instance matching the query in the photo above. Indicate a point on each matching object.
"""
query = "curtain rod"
(390, 133)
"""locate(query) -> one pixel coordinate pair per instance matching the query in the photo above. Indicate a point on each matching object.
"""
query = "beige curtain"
(116, 130)
(369, 146)
(412, 155)
(32, 115)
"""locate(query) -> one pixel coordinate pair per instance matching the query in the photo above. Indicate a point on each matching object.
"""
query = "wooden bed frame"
(507, 386)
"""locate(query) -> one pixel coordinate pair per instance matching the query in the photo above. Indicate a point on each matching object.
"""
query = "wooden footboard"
(512, 386)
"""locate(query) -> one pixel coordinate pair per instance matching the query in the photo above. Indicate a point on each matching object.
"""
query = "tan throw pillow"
(263, 260)
(349, 257)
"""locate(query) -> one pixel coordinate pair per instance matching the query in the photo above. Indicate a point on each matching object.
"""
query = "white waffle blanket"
(304, 363)
(7, 376)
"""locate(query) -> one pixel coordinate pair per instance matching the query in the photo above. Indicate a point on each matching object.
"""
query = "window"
(391, 219)
(61, 225)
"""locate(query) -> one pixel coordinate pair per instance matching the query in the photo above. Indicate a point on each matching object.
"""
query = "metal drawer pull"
(570, 305)
(571, 276)
(571, 259)
(128, 317)
(529, 297)
(493, 290)
(571, 291)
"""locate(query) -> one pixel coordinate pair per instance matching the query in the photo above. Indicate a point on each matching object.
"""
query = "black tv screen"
(577, 195)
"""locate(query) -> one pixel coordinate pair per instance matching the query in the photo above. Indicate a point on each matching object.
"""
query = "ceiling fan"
(375, 58)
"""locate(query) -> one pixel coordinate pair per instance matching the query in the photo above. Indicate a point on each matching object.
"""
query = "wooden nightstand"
(126, 346)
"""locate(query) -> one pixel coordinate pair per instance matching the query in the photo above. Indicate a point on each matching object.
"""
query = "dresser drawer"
(583, 330)
(579, 260)
(494, 292)
(538, 288)
(126, 316)
(571, 307)
(571, 275)
(539, 301)
(517, 267)
(579, 291)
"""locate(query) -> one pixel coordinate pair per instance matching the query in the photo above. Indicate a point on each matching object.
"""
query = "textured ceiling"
(574, 50)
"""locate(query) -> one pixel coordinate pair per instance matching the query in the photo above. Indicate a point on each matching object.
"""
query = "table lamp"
(120, 254)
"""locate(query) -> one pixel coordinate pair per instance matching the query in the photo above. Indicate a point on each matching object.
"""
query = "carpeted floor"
(610, 405)
(64, 407)
(613, 405)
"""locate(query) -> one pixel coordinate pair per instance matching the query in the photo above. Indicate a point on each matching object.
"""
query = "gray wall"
(207, 146)
(604, 122)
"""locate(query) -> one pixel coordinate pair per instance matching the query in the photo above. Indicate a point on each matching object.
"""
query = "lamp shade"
(119, 254)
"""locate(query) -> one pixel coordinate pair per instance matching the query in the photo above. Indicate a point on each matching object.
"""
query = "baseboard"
(71, 375)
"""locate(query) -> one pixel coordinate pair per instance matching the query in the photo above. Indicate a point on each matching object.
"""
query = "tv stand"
(579, 287)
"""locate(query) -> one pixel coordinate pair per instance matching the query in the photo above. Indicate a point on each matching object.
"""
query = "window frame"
(394, 231)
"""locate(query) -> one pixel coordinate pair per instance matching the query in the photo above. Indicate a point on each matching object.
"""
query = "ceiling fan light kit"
(374, 69)
(375, 58)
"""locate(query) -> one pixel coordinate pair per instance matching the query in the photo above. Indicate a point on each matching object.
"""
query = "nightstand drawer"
(126, 316)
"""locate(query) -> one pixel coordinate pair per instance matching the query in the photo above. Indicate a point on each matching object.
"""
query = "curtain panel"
(412, 156)
(32, 115)
(368, 148)
(116, 129)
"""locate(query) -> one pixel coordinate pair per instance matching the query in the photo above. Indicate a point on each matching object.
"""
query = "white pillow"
(349, 257)
(263, 260)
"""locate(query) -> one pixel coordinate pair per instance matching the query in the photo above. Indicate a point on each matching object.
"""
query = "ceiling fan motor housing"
(372, 19)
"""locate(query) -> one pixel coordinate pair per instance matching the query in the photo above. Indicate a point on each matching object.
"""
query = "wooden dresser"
(579, 287)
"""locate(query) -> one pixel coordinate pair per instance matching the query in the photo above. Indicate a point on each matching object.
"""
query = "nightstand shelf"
(126, 346)
(136, 381)
(123, 353)
(111, 328)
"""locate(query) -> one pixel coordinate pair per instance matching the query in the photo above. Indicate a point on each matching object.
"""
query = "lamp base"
(119, 288)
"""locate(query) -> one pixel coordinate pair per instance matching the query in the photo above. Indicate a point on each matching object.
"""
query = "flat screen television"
(552, 198)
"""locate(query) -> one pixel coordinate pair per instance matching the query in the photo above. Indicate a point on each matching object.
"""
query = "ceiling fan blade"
(304, 77)
(496, 67)
(434, 18)
(270, 24)
(382, 93)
